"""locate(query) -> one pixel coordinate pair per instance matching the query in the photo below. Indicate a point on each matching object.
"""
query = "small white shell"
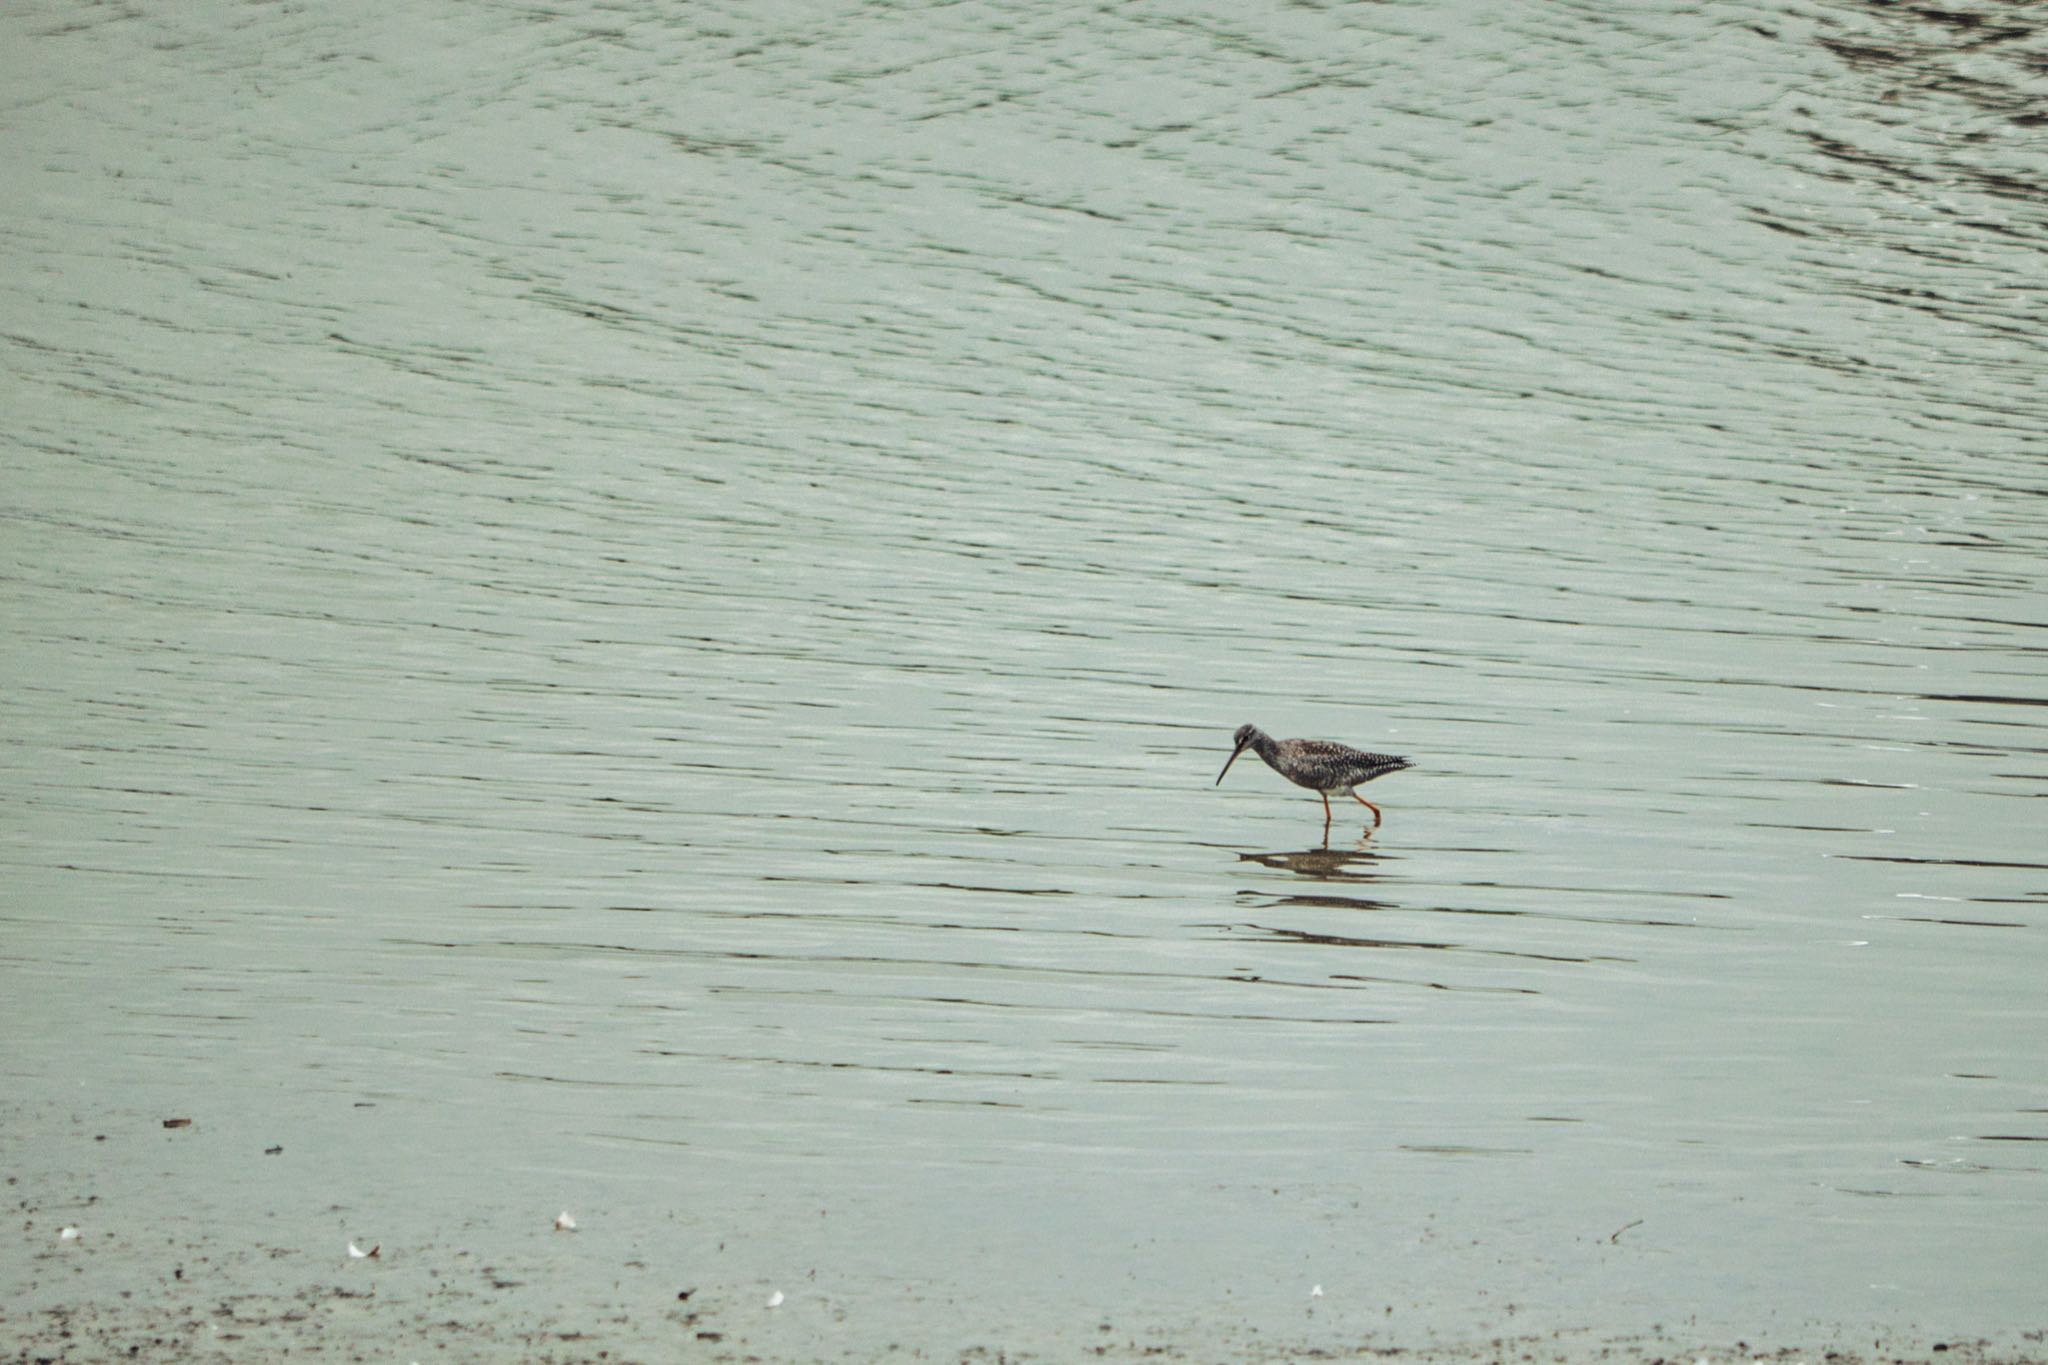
(775, 1299)
(564, 1223)
(67, 1234)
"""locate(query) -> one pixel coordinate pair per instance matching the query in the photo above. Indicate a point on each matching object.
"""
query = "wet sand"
(106, 1296)
(166, 1238)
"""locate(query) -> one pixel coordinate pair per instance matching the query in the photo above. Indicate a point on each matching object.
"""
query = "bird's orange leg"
(1376, 816)
(1326, 806)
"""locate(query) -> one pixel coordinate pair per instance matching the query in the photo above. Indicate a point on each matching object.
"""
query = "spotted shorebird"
(1322, 765)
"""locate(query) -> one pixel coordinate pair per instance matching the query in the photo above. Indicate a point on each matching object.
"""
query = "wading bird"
(1322, 765)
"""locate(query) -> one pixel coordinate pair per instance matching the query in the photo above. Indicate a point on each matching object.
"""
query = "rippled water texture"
(634, 608)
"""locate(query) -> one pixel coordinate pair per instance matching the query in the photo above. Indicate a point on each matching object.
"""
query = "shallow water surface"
(637, 611)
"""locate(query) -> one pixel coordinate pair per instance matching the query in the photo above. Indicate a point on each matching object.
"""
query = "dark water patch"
(1458, 1150)
(1328, 902)
(1959, 923)
(1625, 891)
(1935, 862)
(1434, 985)
(824, 1064)
(1054, 1009)
(1275, 934)
(1333, 902)
(581, 1082)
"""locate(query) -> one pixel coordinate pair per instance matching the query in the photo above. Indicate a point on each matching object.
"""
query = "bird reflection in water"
(1324, 864)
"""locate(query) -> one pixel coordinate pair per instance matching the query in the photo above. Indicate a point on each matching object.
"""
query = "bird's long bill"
(1227, 762)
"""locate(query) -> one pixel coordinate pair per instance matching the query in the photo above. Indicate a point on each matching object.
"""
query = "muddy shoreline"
(80, 1303)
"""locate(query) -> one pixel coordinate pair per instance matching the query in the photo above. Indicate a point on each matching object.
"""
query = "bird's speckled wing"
(1325, 765)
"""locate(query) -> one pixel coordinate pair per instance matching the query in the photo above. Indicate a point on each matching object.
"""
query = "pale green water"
(635, 610)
